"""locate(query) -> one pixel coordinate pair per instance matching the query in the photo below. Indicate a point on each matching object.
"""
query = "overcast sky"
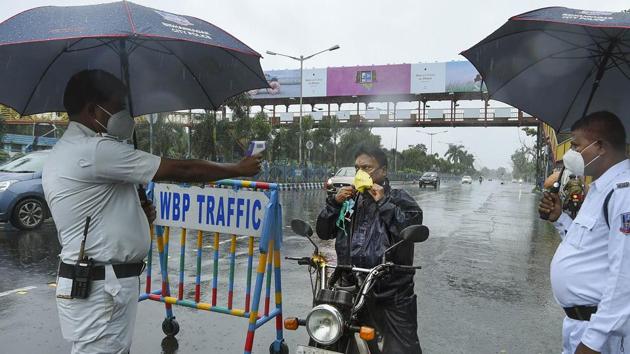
(369, 32)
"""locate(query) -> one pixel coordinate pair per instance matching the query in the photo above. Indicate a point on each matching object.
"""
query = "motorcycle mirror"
(415, 233)
(301, 228)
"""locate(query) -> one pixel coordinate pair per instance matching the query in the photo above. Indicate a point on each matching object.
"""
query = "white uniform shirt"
(592, 263)
(92, 175)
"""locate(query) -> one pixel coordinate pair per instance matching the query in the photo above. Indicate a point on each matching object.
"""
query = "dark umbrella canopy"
(170, 62)
(558, 64)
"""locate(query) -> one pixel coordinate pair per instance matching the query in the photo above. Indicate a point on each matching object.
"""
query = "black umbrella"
(169, 62)
(559, 64)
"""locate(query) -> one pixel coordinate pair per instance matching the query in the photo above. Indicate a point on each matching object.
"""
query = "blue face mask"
(119, 125)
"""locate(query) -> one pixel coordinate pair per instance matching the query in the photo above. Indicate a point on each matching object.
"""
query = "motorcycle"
(574, 203)
(333, 323)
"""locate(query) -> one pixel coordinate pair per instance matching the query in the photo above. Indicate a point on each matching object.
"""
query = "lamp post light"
(431, 135)
(301, 59)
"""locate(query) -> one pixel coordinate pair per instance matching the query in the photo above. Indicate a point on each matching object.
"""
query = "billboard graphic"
(284, 84)
(314, 81)
(368, 80)
(400, 79)
(461, 76)
(428, 78)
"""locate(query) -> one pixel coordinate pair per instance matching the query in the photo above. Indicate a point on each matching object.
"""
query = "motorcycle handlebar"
(395, 267)
(300, 260)
(346, 267)
(406, 269)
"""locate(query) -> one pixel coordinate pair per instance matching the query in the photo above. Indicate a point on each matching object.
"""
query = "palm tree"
(461, 161)
(455, 153)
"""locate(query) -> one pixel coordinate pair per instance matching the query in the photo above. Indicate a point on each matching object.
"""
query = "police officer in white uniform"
(590, 272)
(93, 172)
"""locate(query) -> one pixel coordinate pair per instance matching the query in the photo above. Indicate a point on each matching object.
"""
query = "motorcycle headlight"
(4, 185)
(329, 182)
(324, 324)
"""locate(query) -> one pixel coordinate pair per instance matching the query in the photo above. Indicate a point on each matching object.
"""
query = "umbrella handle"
(142, 194)
(554, 189)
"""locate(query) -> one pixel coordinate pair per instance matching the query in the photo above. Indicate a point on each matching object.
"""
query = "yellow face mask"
(362, 181)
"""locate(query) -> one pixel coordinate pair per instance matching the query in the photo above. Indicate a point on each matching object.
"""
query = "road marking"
(20, 290)
(226, 241)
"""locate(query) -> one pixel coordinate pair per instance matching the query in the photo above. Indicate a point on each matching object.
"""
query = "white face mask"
(120, 124)
(574, 161)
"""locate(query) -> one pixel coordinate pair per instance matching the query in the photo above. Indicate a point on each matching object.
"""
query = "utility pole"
(301, 59)
(431, 135)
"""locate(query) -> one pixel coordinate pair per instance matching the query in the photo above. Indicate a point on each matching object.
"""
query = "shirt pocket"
(582, 225)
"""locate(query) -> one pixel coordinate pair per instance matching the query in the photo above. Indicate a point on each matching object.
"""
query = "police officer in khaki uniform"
(93, 172)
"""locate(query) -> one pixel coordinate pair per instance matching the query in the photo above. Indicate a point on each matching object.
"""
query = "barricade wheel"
(284, 348)
(170, 327)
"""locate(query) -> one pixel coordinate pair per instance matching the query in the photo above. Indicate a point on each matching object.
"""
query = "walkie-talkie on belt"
(82, 270)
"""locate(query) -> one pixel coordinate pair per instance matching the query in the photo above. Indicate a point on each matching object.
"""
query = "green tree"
(204, 137)
(416, 159)
(460, 160)
(3, 127)
(351, 140)
(523, 165)
(169, 138)
(324, 137)
(536, 151)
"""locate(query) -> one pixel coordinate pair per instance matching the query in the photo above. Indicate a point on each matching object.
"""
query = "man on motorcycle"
(573, 186)
(380, 214)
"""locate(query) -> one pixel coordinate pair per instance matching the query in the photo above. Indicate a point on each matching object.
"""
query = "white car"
(343, 177)
(466, 179)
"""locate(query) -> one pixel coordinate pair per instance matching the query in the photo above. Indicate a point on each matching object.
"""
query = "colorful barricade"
(230, 207)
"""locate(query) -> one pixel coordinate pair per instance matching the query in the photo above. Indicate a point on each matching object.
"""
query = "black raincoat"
(374, 227)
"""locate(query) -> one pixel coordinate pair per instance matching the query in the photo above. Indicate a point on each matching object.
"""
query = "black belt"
(125, 270)
(580, 313)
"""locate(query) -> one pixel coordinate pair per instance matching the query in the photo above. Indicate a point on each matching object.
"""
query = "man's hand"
(377, 192)
(582, 349)
(550, 205)
(149, 210)
(344, 194)
(249, 166)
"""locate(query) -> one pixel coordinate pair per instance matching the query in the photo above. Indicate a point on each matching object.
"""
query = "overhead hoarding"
(461, 76)
(368, 80)
(428, 78)
(283, 84)
(372, 80)
(286, 84)
(314, 81)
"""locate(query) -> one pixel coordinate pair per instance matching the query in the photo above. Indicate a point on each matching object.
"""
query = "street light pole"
(301, 59)
(431, 135)
(301, 97)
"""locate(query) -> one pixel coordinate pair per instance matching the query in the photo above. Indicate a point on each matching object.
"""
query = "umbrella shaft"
(600, 73)
(124, 74)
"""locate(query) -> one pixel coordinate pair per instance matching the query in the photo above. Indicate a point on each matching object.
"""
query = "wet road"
(484, 287)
